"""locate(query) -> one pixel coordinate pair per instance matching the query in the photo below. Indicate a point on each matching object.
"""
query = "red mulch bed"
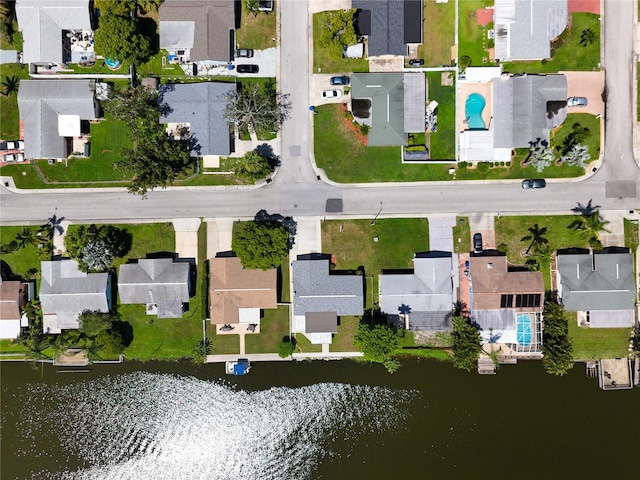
(352, 126)
(588, 6)
(485, 16)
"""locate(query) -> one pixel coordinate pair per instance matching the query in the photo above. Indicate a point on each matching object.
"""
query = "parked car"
(329, 94)
(477, 242)
(12, 145)
(265, 6)
(576, 102)
(416, 62)
(534, 183)
(247, 68)
(342, 80)
(13, 157)
(244, 53)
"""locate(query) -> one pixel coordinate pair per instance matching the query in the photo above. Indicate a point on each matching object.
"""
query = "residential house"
(392, 104)
(320, 297)
(55, 32)
(198, 30)
(237, 294)
(53, 113)
(506, 303)
(423, 298)
(390, 25)
(514, 111)
(196, 111)
(600, 286)
(13, 296)
(65, 292)
(160, 284)
(524, 28)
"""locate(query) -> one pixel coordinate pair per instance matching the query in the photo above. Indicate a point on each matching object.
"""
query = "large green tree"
(557, 349)
(138, 108)
(253, 166)
(259, 107)
(378, 341)
(261, 245)
(106, 242)
(338, 31)
(118, 37)
(590, 223)
(467, 344)
(93, 323)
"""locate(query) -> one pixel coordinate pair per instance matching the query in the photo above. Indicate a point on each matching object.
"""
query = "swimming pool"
(112, 63)
(473, 111)
(523, 329)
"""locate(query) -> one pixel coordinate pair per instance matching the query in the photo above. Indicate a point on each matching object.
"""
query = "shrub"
(364, 129)
(463, 165)
(483, 167)
(465, 61)
(287, 347)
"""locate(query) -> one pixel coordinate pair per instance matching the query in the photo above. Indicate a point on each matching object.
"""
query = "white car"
(329, 94)
(12, 145)
(13, 157)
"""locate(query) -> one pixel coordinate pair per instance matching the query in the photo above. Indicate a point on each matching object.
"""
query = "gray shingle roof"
(212, 21)
(41, 102)
(42, 23)
(202, 106)
(314, 290)
(159, 281)
(520, 108)
(426, 294)
(608, 286)
(524, 28)
(390, 30)
(66, 291)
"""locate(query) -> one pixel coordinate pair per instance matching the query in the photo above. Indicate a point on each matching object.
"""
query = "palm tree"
(25, 237)
(536, 235)
(591, 224)
(11, 85)
(587, 37)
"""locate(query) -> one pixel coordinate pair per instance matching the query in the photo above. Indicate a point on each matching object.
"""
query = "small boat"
(240, 367)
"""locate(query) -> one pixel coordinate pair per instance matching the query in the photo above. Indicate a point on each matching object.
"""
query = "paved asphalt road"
(297, 192)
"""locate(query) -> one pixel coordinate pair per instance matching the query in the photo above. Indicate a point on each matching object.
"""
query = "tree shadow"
(149, 28)
(125, 330)
(585, 210)
(287, 222)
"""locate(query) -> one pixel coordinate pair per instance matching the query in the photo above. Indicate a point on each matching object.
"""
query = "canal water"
(313, 420)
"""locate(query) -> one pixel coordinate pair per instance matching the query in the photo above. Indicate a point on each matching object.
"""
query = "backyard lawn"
(9, 117)
(323, 62)
(257, 31)
(568, 55)
(511, 230)
(155, 66)
(304, 345)
(343, 340)
(472, 38)
(438, 33)
(462, 235)
(274, 326)
(223, 344)
(597, 343)
(443, 142)
(398, 240)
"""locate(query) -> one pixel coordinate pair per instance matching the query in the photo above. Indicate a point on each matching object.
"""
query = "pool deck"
(467, 89)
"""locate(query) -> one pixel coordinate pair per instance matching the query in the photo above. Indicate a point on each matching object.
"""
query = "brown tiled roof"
(321, 322)
(11, 299)
(233, 287)
(212, 19)
(491, 278)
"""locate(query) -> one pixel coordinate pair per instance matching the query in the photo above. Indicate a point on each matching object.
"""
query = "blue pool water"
(523, 329)
(473, 111)
(112, 62)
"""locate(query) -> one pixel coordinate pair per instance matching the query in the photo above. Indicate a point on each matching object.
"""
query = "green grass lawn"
(569, 54)
(9, 116)
(155, 67)
(274, 325)
(592, 141)
(438, 33)
(325, 63)
(224, 344)
(472, 38)
(304, 345)
(631, 236)
(284, 282)
(443, 142)
(398, 240)
(257, 31)
(462, 236)
(510, 231)
(99, 67)
(597, 343)
(20, 261)
(343, 340)
(7, 346)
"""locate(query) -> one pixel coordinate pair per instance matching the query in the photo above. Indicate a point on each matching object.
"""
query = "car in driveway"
(12, 145)
(534, 183)
(416, 62)
(477, 243)
(330, 94)
(244, 53)
(13, 157)
(247, 68)
(341, 80)
(577, 102)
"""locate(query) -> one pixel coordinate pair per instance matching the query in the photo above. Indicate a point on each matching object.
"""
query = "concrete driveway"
(318, 83)
(316, 6)
(586, 84)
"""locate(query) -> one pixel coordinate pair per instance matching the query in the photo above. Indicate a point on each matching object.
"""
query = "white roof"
(249, 315)
(319, 338)
(481, 74)
(69, 125)
(9, 329)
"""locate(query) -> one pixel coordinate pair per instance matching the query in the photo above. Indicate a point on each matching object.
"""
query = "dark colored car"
(342, 80)
(534, 183)
(244, 53)
(477, 242)
(416, 62)
(247, 68)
